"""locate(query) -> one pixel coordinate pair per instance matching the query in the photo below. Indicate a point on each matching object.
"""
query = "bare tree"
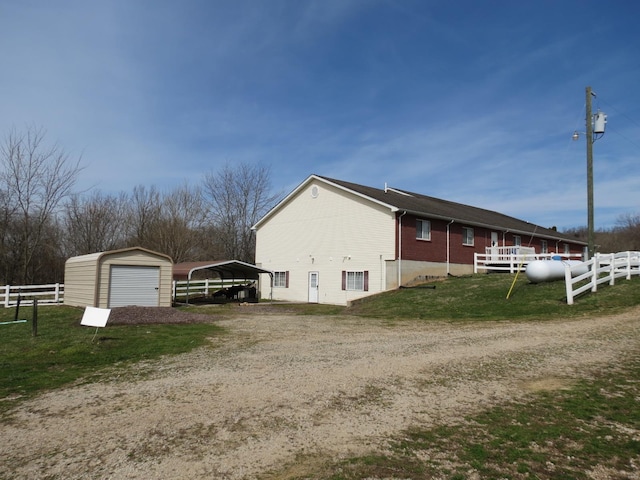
(177, 231)
(7, 235)
(94, 223)
(34, 180)
(143, 213)
(628, 230)
(238, 196)
(624, 236)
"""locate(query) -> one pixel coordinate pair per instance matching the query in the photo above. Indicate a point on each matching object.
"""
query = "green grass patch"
(484, 297)
(595, 425)
(64, 351)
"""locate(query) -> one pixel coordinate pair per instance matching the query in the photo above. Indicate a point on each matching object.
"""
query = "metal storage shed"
(119, 278)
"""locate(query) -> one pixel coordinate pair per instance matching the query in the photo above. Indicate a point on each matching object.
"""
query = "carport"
(233, 270)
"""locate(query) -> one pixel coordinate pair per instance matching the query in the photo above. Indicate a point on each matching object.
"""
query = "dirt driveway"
(286, 392)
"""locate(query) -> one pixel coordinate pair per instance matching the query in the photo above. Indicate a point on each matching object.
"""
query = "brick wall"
(435, 249)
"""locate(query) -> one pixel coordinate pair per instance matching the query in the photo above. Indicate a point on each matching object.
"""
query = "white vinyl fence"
(195, 288)
(51, 294)
(603, 268)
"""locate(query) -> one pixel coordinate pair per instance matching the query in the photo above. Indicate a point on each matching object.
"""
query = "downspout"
(448, 247)
(400, 248)
(271, 290)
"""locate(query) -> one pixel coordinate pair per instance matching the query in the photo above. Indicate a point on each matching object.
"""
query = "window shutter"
(344, 280)
(286, 279)
(366, 280)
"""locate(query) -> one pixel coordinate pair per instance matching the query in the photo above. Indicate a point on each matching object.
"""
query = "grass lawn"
(484, 298)
(65, 352)
(556, 434)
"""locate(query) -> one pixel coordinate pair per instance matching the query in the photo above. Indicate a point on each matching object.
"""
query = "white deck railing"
(603, 268)
(513, 259)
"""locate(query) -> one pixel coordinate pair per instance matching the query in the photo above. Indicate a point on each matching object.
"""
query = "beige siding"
(80, 281)
(87, 276)
(332, 232)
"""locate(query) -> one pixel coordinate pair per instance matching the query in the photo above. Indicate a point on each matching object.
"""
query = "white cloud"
(421, 96)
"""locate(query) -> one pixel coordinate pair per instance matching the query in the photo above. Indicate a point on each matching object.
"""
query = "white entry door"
(495, 247)
(313, 287)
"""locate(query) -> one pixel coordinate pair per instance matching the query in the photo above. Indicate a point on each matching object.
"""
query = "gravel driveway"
(282, 392)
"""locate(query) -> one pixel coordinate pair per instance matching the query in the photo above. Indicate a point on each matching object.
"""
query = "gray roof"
(225, 269)
(430, 207)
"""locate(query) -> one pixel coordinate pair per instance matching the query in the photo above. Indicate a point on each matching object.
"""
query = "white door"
(494, 246)
(313, 287)
(134, 285)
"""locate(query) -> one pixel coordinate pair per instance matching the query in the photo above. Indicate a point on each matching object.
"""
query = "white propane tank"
(550, 270)
(599, 122)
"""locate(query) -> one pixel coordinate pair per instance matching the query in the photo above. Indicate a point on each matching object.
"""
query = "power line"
(621, 113)
(625, 116)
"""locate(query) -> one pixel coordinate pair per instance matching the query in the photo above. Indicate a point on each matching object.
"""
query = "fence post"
(7, 295)
(568, 282)
(612, 269)
(34, 320)
(594, 272)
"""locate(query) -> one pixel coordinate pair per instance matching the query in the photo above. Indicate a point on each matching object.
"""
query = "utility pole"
(590, 222)
(595, 130)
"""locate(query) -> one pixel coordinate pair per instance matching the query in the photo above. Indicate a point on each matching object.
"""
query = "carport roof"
(224, 268)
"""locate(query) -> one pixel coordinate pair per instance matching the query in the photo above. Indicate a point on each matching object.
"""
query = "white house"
(331, 241)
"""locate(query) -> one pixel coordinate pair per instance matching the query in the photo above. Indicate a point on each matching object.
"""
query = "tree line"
(44, 221)
(624, 236)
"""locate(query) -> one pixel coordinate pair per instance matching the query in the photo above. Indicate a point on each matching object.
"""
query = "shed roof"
(94, 257)
(225, 269)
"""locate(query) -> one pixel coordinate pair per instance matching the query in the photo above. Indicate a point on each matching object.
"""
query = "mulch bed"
(156, 315)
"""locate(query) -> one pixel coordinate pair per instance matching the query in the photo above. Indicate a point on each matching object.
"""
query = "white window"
(567, 248)
(281, 279)
(544, 248)
(423, 229)
(358, 281)
(517, 240)
(355, 280)
(467, 236)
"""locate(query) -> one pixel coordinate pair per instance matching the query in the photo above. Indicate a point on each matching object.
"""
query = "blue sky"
(469, 101)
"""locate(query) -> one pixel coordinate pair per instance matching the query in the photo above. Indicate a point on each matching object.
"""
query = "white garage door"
(134, 285)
